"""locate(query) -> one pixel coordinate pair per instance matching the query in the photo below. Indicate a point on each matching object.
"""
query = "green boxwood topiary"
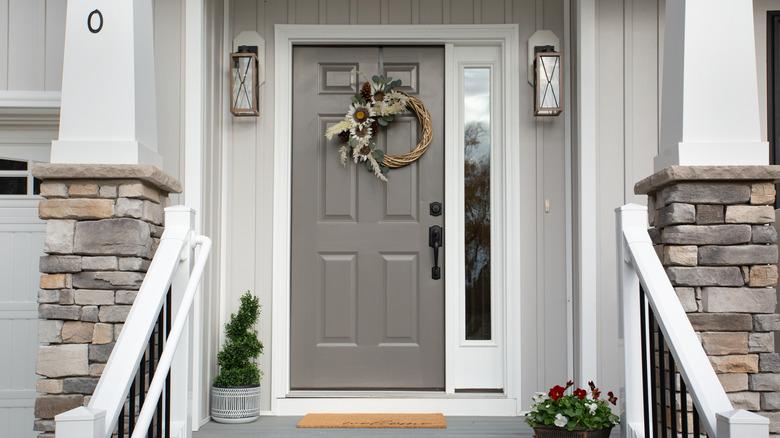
(237, 366)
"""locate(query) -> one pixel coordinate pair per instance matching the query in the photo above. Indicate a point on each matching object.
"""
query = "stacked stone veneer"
(101, 234)
(713, 229)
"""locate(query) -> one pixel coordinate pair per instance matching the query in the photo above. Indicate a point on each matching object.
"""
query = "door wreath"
(374, 106)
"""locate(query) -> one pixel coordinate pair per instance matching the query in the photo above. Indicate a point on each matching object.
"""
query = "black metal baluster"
(121, 425)
(684, 407)
(168, 376)
(151, 375)
(696, 423)
(643, 325)
(653, 376)
(662, 377)
(142, 381)
(132, 407)
(673, 393)
(160, 344)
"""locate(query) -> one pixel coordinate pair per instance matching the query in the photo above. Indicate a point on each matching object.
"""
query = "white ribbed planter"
(235, 405)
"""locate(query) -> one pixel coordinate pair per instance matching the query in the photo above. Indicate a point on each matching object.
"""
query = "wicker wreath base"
(424, 117)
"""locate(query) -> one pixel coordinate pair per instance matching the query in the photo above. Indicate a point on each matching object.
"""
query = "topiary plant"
(237, 366)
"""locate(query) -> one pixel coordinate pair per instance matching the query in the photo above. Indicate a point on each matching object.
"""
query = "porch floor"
(284, 427)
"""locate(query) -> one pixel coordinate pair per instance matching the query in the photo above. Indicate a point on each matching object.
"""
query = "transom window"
(16, 178)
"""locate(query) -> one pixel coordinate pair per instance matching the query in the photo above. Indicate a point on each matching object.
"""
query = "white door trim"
(507, 38)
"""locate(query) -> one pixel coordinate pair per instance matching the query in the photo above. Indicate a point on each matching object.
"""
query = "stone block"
(655, 235)
(51, 189)
(750, 214)
(139, 190)
(108, 191)
(49, 331)
(118, 330)
(89, 313)
(737, 255)
(79, 385)
(133, 264)
(701, 276)
(764, 382)
(99, 263)
(674, 214)
(51, 264)
(740, 300)
(77, 332)
(770, 362)
(764, 234)
(723, 343)
(736, 322)
(705, 193)
(734, 382)
(157, 231)
(47, 406)
(59, 237)
(761, 342)
(762, 193)
(100, 353)
(770, 401)
(708, 214)
(731, 234)
(62, 360)
(745, 400)
(96, 369)
(763, 276)
(44, 426)
(153, 212)
(766, 323)
(746, 363)
(125, 296)
(80, 208)
(116, 237)
(126, 207)
(103, 333)
(675, 255)
(94, 297)
(66, 296)
(83, 190)
(108, 280)
(48, 386)
(55, 281)
(774, 422)
(48, 296)
(687, 296)
(56, 311)
(115, 313)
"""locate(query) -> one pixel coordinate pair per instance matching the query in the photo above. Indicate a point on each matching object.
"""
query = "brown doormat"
(373, 421)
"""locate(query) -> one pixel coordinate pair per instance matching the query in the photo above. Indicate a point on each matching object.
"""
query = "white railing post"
(181, 421)
(631, 216)
(81, 422)
(742, 424)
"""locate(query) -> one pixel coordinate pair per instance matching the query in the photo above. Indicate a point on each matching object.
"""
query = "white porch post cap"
(81, 422)
(742, 424)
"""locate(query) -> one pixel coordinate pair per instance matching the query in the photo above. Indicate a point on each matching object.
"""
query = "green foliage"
(580, 410)
(237, 366)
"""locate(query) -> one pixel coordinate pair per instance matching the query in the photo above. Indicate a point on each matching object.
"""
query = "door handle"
(434, 241)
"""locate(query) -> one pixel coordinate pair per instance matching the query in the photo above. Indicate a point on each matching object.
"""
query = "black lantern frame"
(548, 82)
(244, 84)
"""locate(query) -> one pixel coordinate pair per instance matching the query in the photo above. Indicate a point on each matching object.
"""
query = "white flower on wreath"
(341, 126)
(360, 115)
(391, 103)
(561, 420)
(362, 135)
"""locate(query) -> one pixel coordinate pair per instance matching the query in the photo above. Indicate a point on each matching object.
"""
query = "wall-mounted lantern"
(548, 84)
(244, 84)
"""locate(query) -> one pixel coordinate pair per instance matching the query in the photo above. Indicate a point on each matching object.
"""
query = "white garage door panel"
(21, 245)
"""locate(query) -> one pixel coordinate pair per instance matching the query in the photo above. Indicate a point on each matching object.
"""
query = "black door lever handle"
(434, 241)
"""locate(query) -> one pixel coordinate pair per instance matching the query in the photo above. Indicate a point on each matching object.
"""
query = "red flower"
(569, 384)
(612, 398)
(580, 393)
(595, 392)
(556, 392)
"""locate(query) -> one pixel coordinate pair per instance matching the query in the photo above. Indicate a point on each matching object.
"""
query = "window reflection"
(477, 142)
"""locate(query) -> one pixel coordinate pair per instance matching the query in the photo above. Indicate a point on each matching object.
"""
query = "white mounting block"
(108, 113)
(540, 38)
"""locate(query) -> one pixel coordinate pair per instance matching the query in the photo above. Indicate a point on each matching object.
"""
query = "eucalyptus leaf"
(382, 122)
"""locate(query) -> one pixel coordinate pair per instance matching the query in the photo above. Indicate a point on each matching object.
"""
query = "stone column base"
(713, 229)
(103, 226)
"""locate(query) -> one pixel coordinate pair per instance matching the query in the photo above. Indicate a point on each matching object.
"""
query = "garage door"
(21, 245)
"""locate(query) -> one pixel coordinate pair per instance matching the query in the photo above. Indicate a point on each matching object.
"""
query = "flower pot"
(235, 405)
(557, 432)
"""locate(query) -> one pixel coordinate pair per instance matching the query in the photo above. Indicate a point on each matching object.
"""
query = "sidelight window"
(16, 178)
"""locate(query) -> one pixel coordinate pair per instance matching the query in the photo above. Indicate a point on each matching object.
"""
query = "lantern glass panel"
(548, 84)
(244, 80)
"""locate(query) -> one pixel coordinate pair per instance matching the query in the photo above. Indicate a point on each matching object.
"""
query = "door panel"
(365, 312)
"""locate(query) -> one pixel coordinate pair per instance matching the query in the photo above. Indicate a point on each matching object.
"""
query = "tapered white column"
(709, 109)
(108, 94)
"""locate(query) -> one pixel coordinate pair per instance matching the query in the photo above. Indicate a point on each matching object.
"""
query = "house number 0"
(95, 21)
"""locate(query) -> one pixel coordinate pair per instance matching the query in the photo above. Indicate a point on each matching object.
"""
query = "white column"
(709, 109)
(108, 111)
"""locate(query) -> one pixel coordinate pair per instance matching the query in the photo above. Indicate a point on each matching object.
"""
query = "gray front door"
(365, 311)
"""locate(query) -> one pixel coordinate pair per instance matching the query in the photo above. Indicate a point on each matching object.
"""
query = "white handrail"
(156, 387)
(640, 264)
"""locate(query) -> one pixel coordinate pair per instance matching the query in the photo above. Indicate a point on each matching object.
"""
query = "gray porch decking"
(284, 427)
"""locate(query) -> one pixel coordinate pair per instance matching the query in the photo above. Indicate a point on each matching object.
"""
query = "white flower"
(561, 420)
(360, 115)
(337, 128)
(361, 135)
(592, 408)
(540, 397)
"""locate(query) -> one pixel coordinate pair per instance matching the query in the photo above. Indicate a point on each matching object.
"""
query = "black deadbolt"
(436, 209)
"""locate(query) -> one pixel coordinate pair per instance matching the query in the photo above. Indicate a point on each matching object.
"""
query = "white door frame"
(504, 36)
